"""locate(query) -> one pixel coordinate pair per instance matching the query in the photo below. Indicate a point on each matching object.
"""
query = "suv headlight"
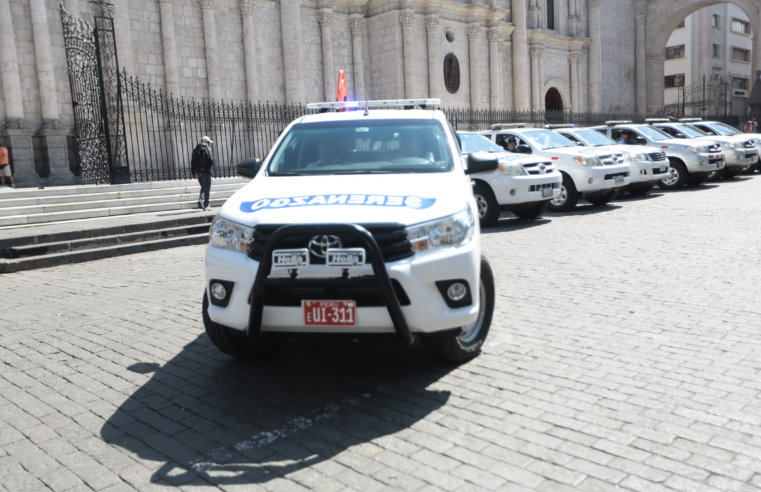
(734, 145)
(449, 231)
(588, 161)
(512, 170)
(637, 157)
(229, 235)
(697, 148)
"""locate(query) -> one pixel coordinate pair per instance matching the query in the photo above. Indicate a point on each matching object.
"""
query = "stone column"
(655, 70)
(640, 16)
(494, 67)
(171, 61)
(535, 14)
(355, 26)
(434, 67)
(329, 75)
(574, 59)
(541, 80)
(703, 56)
(595, 56)
(44, 56)
(123, 37)
(507, 75)
(521, 95)
(536, 54)
(212, 57)
(407, 19)
(293, 56)
(247, 8)
(574, 22)
(474, 32)
(14, 109)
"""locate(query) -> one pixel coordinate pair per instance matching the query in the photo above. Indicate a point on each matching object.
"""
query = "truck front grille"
(290, 293)
(658, 156)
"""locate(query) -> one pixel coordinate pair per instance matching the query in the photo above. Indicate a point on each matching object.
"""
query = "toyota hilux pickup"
(648, 164)
(523, 184)
(596, 175)
(690, 162)
(751, 142)
(357, 222)
(734, 149)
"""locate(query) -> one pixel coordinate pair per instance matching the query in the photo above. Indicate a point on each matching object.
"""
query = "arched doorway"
(663, 16)
(553, 101)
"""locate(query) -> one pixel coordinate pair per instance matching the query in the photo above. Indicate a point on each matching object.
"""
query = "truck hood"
(630, 149)
(360, 199)
(583, 151)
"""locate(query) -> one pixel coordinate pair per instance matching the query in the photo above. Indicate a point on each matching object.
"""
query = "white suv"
(596, 175)
(648, 164)
(691, 162)
(751, 142)
(523, 184)
(359, 222)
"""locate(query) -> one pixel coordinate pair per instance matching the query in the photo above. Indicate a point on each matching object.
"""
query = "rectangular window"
(716, 21)
(672, 81)
(716, 51)
(739, 54)
(551, 15)
(681, 24)
(674, 52)
(741, 84)
(740, 26)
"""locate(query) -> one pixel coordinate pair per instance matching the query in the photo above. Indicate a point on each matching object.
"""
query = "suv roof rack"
(389, 103)
(506, 126)
(652, 121)
(618, 122)
(559, 126)
(690, 120)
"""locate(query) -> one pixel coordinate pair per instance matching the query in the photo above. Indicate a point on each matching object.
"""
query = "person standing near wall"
(201, 165)
(5, 167)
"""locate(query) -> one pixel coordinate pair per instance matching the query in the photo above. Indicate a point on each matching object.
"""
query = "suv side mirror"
(523, 149)
(641, 141)
(481, 162)
(681, 135)
(249, 168)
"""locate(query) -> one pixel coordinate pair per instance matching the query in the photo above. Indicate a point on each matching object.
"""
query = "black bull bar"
(374, 253)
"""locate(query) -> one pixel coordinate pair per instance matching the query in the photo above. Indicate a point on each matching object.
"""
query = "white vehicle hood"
(630, 149)
(579, 151)
(359, 199)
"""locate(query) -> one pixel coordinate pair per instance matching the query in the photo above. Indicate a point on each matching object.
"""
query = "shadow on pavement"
(587, 209)
(515, 224)
(736, 179)
(203, 414)
(638, 198)
(691, 189)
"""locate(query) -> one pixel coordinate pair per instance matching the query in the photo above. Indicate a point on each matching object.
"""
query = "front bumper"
(738, 158)
(644, 172)
(600, 178)
(426, 313)
(702, 163)
(517, 190)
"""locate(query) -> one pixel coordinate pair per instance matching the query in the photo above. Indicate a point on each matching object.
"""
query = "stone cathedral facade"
(590, 55)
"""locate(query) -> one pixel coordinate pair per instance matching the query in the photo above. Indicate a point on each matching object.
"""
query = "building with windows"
(716, 43)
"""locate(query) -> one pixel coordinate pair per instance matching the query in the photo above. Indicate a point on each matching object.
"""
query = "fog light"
(591, 180)
(457, 291)
(512, 192)
(218, 291)
(642, 171)
(702, 163)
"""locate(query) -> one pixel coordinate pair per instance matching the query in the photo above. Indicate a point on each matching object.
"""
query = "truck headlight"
(734, 145)
(588, 161)
(449, 231)
(512, 170)
(697, 149)
(229, 235)
(638, 157)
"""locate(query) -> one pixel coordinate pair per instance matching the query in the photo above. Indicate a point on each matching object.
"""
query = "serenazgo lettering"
(411, 201)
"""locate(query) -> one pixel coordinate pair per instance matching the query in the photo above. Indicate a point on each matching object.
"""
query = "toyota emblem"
(319, 245)
(542, 168)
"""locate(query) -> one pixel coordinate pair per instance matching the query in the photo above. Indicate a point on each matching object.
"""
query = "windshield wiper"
(290, 173)
(366, 171)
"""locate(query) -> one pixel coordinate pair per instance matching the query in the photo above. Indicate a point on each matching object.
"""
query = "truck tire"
(533, 212)
(641, 190)
(677, 177)
(456, 349)
(716, 175)
(237, 345)
(568, 198)
(600, 200)
(488, 208)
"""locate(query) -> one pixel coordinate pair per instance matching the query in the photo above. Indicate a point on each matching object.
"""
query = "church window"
(551, 15)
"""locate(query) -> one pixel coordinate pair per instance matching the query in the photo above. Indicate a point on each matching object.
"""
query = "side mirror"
(523, 149)
(580, 144)
(681, 135)
(481, 162)
(249, 168)
(641, 141)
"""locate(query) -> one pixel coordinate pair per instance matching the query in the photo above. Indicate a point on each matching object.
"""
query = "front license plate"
(663, 168)
(330, 313)
(547, 192)
(290, 258)
(619, 180)
(345, 257)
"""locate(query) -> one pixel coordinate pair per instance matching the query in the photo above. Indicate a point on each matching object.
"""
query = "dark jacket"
(202, 160)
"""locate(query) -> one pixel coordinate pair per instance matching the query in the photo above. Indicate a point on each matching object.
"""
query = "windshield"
(595, 139)
(691, 131)
(548, 139)
(725, 129)
(473, 142)
(363, 147)
(653, 133)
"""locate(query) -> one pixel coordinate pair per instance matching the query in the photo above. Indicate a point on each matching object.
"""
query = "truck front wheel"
(568, 198)
(677, 177)
(455, 349)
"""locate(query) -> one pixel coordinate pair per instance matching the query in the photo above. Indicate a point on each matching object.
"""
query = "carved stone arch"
(562, 88)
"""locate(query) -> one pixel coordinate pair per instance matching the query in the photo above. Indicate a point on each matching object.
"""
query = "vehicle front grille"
(715, 161)
(611, 160)
(545, 186)
(534, 168)
(714, 148)
(751, 155)
(290, 293)
(658, 171)
(613, 176)
(391, 238)
(658, 156)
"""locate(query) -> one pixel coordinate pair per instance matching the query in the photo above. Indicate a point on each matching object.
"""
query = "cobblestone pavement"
(625, 354)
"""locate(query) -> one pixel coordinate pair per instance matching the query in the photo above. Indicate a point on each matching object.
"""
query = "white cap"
(206, 139)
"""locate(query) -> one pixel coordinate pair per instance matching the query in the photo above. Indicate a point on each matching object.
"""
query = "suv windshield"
(363, 147)
(595, 139)
(473, 142)
(691, 131)
(653, 133)
(725, 129)
(547, 139)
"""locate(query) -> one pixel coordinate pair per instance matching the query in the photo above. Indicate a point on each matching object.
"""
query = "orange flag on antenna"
(342, 93)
